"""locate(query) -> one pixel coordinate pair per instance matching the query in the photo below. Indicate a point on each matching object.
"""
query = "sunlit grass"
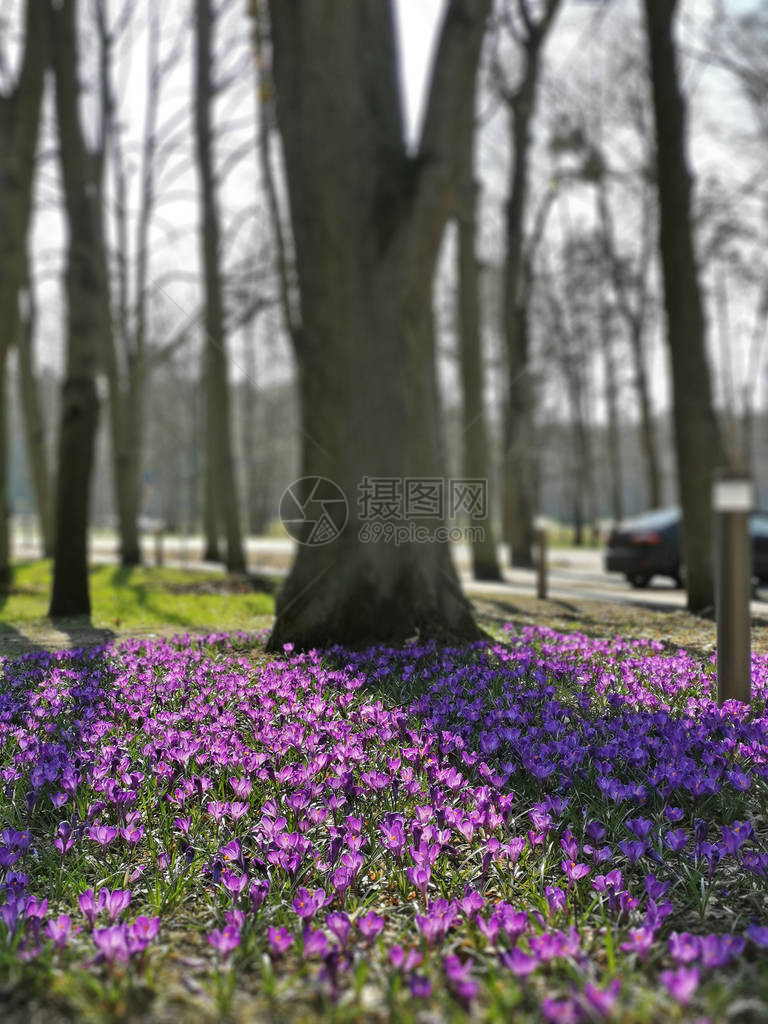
(125, 600)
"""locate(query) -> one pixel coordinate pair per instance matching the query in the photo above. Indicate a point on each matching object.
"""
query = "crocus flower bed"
(556, 828)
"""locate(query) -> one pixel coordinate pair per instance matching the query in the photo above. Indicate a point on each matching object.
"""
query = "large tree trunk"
(5, 539)
(85, 285)
(222, 506)
(19, 120)
(519, 448)
(485, 564)
(697, 438)
(367, 222)
(34, 423)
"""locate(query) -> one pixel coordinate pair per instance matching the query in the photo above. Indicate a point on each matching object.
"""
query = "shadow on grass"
(12, 640)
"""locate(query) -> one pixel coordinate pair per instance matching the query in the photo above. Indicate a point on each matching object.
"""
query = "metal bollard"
(158, 547)
(541, 526)
(732, 501)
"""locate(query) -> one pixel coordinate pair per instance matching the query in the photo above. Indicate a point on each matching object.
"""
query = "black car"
(650, 545)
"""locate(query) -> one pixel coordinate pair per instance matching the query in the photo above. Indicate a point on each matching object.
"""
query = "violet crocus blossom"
(681, 983)
(280, 940)
(224, 940)
(112, 943)
(370, 925)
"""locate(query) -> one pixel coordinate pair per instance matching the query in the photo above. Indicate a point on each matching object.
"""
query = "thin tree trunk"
(222, 506)
(648, 440)
(485, 564)
(5, 539)
(34, 424)
(634, 319)
(697, 438)
(367, 223)
(85, 287)
(19, 120)
(519, 448)
(614, 424)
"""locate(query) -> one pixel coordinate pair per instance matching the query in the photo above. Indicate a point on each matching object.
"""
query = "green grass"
(138, 599)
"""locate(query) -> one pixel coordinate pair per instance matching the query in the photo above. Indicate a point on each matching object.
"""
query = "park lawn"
(131, 601)
(550, 828)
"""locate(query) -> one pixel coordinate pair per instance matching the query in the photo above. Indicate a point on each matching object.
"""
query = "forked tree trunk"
(85, 287)
(485, 564)
(221, 502)
(367, 223)
(697, 438)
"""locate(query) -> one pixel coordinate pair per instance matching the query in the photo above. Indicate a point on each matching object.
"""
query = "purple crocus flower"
(640, 941)
(224, 940)
(112, 943)
(89, 905)
(459, 979)
(520, 964)
(684, 947)
(59, 929)
(116, 901)
(681, 983)
(232, 882)
(102, 834)
(280, 939)
(132, 834)
(306, 904)
(315, 943)
(574, 871)
(64, 841)
(759, 935)
(420, 986)
(339, 925)
(602, 1000)
(370, 925)
(736, 835)
(676, 839)
(556, 898)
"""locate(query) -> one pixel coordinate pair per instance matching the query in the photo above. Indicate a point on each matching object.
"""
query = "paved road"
(575, 574)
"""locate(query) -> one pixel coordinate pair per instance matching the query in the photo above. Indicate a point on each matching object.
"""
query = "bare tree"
(697, 437)
(87, 325)
(221, 503)
(19, 120)
(529, 33)
(367, 222)
(32, 412)
(485, 565)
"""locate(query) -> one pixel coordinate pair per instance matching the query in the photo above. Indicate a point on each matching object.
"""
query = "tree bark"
(367, 223)
(519, 453)
(634, 316)
(222, 506)
(19, 120)
(485, 564)
(697, 437)
(34, 421)
(86, 287)
(6, 574)
(614, 422)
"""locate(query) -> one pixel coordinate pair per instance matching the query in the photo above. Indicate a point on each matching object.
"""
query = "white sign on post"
(733, 496)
